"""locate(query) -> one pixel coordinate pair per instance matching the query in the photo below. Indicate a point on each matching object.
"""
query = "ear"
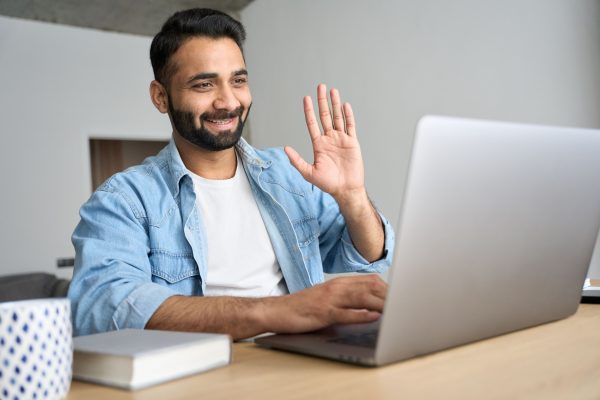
(158, 95)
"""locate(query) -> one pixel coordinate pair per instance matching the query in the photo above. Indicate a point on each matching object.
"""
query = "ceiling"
(140, 17)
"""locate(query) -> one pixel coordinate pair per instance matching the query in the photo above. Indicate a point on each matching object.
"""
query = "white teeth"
(219, 121)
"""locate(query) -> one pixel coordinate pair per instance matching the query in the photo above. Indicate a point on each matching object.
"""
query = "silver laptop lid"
(496, 232)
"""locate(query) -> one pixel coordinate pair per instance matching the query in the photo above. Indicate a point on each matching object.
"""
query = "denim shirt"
(141, 238)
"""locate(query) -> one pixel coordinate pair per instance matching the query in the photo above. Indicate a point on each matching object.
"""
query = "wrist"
(264, 314)
(354, 204)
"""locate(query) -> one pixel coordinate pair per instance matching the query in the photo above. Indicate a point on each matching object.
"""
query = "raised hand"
(338, 166)
(338, 170)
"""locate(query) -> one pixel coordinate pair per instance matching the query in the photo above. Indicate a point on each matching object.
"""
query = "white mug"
(36, 349)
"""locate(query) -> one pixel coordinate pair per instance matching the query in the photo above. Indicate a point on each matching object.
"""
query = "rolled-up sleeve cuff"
(136, 310)
(356, 262)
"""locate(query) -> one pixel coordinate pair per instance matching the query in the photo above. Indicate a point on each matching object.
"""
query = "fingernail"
(374, 314)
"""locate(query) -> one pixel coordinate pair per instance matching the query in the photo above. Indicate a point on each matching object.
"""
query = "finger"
(298, 162)
(324, 113)
(364, 299)
(311, 120)
(371, 283)
(359, 293)
(341, 316)
(376, 286)
(336, 107)
(350, 124)
(358, 297)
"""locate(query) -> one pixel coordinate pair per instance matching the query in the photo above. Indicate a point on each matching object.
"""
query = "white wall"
(532, 61)
(58, 86)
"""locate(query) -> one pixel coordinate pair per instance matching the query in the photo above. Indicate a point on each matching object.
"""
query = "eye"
(239, 81)
(202, 85)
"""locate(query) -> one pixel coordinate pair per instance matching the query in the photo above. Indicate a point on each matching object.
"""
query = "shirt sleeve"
(112, 284)
(337, 250)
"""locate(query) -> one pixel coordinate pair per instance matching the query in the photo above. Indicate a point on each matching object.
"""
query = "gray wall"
(59, 86)
(532, 61)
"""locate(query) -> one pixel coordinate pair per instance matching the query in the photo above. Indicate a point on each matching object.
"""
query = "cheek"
(200, 107)
(245, 98)
(196, 104)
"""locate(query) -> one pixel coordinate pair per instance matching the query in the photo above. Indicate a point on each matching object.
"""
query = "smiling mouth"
(219, 121)
(221, 125)
(222, 121)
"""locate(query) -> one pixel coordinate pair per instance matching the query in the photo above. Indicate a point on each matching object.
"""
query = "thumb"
(298, 162)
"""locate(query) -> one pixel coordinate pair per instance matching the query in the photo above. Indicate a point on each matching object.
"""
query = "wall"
(531, 61)
(59, 86)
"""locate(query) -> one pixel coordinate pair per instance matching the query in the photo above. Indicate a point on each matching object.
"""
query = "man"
(213, 235)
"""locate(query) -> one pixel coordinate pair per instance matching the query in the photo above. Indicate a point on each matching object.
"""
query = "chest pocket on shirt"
(177, 272)
(307, 230)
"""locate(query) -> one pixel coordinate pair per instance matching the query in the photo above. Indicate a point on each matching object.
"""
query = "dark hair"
(187, 24)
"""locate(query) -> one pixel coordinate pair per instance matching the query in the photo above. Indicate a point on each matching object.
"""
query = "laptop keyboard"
(363, 339)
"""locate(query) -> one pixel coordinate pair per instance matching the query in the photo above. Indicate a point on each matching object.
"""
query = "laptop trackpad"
(353, 343)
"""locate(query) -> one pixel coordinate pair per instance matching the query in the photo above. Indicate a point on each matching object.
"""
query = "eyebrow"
(212, 75)
(203, 75)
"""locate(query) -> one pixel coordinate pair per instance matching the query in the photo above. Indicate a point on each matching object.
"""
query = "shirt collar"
(247, 153)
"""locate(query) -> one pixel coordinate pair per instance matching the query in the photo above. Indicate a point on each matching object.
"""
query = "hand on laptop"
(345, 300)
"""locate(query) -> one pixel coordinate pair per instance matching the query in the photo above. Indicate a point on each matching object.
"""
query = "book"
(135, 358)
(591, 292)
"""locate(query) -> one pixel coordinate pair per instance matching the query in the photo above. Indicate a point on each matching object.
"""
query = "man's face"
(208, 95)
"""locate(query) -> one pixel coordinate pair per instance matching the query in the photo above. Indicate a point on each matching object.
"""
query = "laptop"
(496, 233)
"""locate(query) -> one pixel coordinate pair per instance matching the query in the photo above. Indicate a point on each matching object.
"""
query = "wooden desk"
(560, 360)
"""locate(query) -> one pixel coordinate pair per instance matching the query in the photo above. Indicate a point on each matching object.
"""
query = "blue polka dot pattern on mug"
(36, 349)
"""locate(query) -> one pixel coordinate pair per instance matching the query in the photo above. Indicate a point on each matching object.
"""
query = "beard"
(185, 123)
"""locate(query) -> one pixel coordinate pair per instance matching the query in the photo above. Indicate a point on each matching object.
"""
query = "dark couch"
(32, 286)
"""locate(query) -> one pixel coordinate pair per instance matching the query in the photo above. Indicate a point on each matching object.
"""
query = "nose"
(226, 99)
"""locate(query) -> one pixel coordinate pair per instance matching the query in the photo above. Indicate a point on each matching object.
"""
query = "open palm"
(338, 166)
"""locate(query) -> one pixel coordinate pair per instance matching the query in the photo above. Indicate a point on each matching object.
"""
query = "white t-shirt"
(241, 261)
